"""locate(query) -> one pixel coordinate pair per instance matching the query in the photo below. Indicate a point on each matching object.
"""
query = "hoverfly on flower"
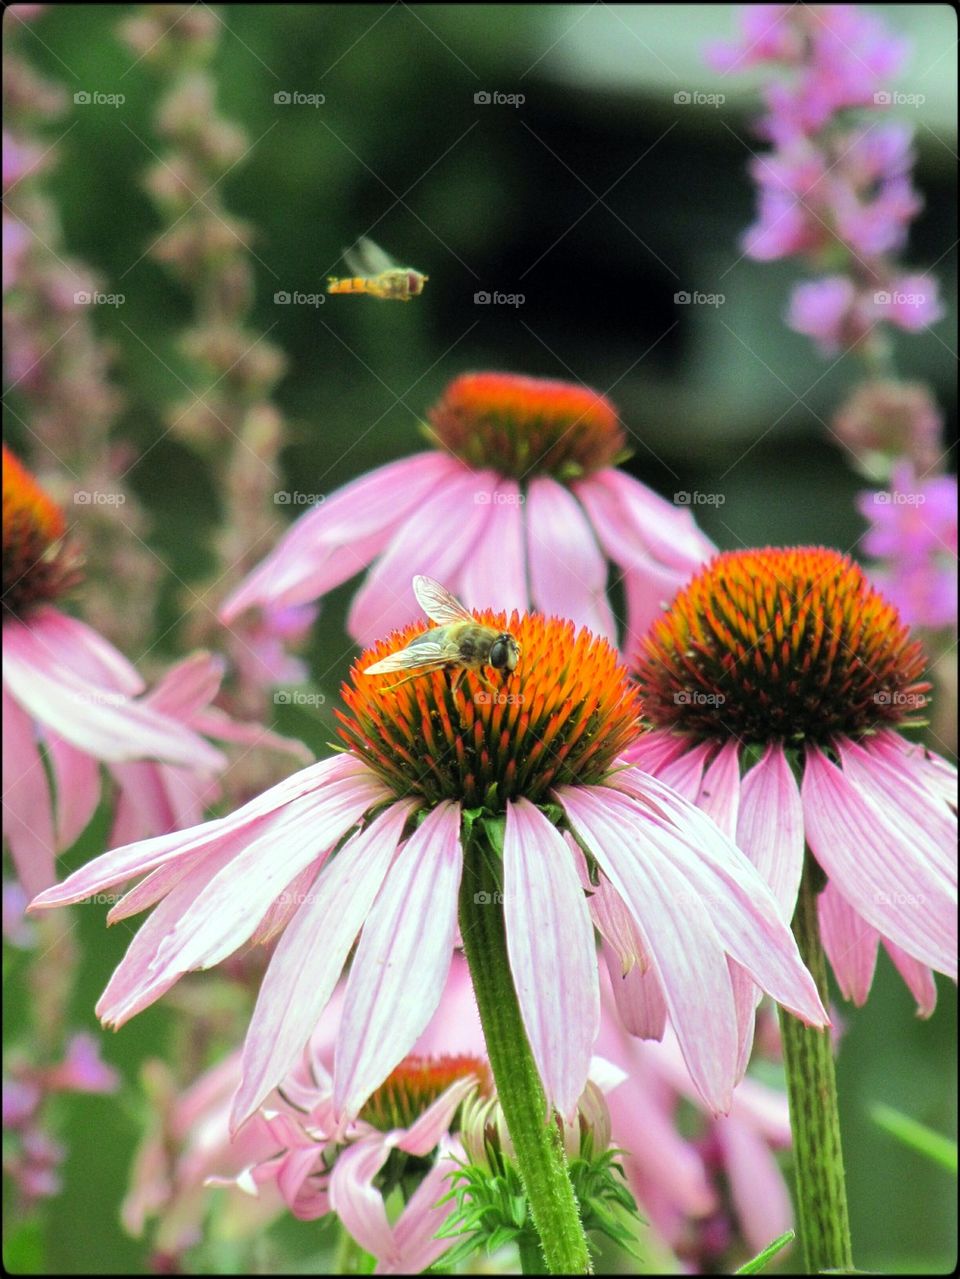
(458, 642)
(377, 274)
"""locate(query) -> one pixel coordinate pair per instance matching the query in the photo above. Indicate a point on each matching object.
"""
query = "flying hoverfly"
(458, 642)
(376, 274)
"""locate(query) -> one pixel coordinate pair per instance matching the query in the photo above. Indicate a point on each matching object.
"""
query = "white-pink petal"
(861, 847)
(402, 961)
(770, 826)
(552, 954)
(568, 572)
(309, 958)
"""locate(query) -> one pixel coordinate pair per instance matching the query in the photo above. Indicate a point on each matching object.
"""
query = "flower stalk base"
(822, 1217)
(536, 1138)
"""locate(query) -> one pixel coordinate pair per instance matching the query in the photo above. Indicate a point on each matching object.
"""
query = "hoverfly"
(376, 274)
(458, 642)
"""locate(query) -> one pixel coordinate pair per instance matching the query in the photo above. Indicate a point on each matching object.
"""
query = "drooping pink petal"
(308, 960)
(850, 944)
(684, 774)
(69, 642)
(931, 771)
(425, 1133)
(76, 786)
(770, 826)
(97, 719)
(341, 536)
(494, 574)
(355, 1199)
(122, 864)
(402, 961)
(188, 686)
(415, 1242)
(136, 983)
(549, 932)
(759, 1193)
(638, 996)
(918, 978)
(742, 908)
(861, 846)
(229, 908)
(646, 523)
(678, 935)
(923, 819)
(651, 751)
(143, 807)
(719, 795)
(437, 539)
(27, 807)
(568, 573)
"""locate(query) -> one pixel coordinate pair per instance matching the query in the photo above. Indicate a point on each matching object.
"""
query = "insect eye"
(498, 653)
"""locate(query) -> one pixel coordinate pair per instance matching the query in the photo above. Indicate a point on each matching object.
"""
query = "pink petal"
(355, 1199)
(415, 1243)
(638, 996)
(136, 983)
(549, 932)
(436, 540)
(757, 1187)
(402, 960)
(684, 774)
(923, 819)
(121, 864)
(494, 574)
(677, 932)
(342, 536)
(919, 979)
(100, 720)
(424, 1134)
(232, 904)
(770, 826)
(651, 751)
(69, 642)
(719, 795)
(77, 788)
(647, 525)
(742, 908)
(188, 686)
(27, 806)
(850, 944)
(861, 846)
(568, 573)
(309, 958)
(143, 806)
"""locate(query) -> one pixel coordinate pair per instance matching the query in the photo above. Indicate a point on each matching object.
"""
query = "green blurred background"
(547, 199)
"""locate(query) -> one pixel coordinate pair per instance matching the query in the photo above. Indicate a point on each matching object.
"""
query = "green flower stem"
(822, 1219)
(536, 1138)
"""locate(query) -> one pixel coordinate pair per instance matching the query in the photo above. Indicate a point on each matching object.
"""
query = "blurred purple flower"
(913, 533)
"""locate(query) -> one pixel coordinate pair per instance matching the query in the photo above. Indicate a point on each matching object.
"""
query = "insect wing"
(367, 258)
(437, 602)
(427, 655)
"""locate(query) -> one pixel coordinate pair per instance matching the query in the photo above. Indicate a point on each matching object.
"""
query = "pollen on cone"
(562, 717)
(791, 644)
(523, 426)
(38, 565)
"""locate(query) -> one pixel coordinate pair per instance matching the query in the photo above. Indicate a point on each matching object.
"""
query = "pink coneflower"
(519, 505)
(372, 843)
(784, 664)
(69, 697)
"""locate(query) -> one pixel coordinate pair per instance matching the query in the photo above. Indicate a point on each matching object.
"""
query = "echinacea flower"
(70, 699)
(371, 843)
(779, 664)
(293, 1155)
(520, 504)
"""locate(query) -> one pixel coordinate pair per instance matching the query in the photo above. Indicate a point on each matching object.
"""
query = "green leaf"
(758, 1263)
(932, 1145)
